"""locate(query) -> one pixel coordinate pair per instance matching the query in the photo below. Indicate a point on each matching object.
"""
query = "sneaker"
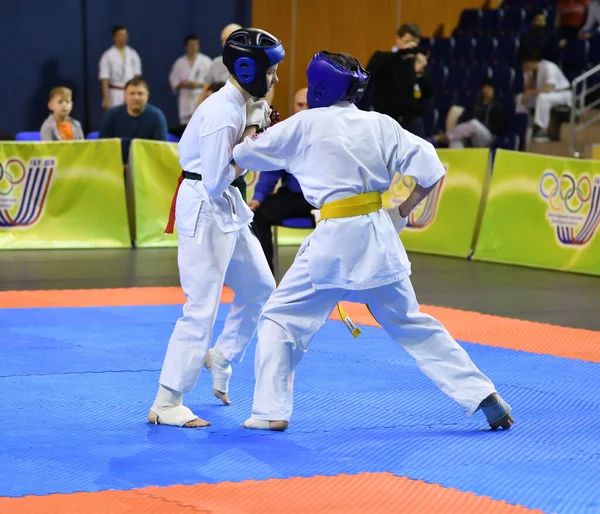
(541, 137)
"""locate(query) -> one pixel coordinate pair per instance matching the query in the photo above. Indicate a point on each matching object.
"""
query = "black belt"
(192, 176)
(239, 182)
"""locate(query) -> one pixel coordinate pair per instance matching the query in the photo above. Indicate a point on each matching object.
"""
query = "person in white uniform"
(118, 65)
(216, 244)
(545, 87)
(344, 159)
(188, 76)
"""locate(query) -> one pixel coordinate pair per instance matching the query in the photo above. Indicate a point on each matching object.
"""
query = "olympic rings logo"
(11, 175)
(565, 192)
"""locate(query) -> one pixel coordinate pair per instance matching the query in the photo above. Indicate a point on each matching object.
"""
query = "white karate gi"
(216, 244)
(548, 74)
(118, 72)
(196, 72)
(337, 152)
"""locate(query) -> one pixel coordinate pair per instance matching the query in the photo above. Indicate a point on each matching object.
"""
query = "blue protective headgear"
(335, 78)
(248, 54)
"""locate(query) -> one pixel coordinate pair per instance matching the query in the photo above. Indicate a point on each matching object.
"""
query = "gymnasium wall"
(47, 43)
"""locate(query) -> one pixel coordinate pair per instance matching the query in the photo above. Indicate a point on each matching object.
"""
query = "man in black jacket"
(480, 125)
(537, 38)
(400, 81)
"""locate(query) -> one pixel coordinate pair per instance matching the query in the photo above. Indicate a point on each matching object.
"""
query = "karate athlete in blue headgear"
(216, 245)
(344, 159)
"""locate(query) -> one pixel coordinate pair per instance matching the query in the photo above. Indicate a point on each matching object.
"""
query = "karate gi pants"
(206, 261)
(296, 311)
(116, 96)
(543, 104)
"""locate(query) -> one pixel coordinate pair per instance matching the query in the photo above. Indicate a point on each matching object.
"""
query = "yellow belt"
(345, 208)
(352, 206)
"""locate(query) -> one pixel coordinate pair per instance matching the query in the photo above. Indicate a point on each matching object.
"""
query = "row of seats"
(497, 22)
(455, 85)
(35, 136)
(530, 4)
(466, 50)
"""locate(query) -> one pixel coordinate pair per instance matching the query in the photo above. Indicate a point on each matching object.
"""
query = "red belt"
(120, 88)
(171, 222)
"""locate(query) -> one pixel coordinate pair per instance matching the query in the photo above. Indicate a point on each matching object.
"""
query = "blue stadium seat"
(512, 21)
(594, 55)
(439, 75)
(573, 73)
(443, 100)
(506, 51)
(529, 4)
(93, 135)
(491, 21)
(509, 141)
(431, 118)
(469, 22)
(574, 55)
(485, 51)
(518, 82)
(477, 76)
(463, 50)
(441, 53)
(172, 138)
(28, 136)
(504, 78)
(519, 124)
(466, 97)
(457, 77)
(426, 43)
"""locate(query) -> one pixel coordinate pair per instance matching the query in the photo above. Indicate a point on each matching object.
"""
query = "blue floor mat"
(78, 383)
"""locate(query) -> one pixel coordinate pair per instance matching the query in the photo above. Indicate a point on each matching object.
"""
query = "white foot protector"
(175, 416)
(219, 368)
(168, 409)
(260, 424)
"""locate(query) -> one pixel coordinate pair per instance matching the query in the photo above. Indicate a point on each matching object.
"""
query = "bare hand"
(547, 89)
(105, 104)
(585, 35)
(407, 45)
(420, 63)
(254, 205)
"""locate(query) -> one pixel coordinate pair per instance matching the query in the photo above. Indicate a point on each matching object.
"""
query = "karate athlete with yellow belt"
(344, 159)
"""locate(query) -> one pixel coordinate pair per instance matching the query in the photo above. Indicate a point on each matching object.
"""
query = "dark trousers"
(277, 207)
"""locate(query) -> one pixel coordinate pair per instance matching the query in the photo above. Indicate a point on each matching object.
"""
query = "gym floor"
(83, 334)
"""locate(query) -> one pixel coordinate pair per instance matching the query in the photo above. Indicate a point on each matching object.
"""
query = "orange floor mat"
(378, 493)
(469, 326)
(514, 334)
